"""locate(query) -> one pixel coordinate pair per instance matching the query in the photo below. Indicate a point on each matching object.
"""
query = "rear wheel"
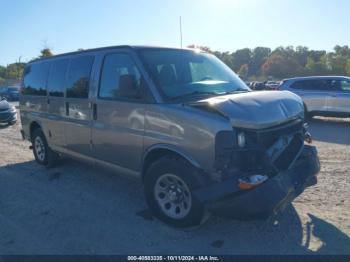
(169, 185)
(42, 152)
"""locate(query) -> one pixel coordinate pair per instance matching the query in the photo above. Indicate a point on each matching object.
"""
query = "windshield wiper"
(194, 93)
(236, 91)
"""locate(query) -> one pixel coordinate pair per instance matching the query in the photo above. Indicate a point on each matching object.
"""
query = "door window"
(79, 77)
(120, 79)
(57, 77)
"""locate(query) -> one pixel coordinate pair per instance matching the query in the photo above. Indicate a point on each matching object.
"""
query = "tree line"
(14, 71)
(260, 63)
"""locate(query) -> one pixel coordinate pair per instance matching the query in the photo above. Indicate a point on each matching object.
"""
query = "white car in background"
(322, 95)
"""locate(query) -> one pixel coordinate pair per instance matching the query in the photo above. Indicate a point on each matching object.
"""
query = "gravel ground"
(79, 209)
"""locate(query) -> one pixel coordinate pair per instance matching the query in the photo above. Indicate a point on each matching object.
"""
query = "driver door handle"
(67, 108)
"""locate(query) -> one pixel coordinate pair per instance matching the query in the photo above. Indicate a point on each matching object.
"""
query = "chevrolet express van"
(180, 120)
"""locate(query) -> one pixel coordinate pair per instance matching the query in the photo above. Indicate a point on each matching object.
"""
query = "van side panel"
(56, 105)
(32, 109)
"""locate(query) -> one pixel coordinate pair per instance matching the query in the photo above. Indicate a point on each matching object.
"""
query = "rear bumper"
(273, 195)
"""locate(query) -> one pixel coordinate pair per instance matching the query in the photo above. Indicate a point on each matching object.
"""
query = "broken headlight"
(306, 134)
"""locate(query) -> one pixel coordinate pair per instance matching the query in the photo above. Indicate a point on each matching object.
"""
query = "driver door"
(119, 112)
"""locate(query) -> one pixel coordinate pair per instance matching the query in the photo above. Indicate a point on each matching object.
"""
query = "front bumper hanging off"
(226, 198)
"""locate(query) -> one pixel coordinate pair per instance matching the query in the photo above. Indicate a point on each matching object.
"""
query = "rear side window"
(317, 84)
(79, 77)
(57, 77)
(35, 77)
(120, 78)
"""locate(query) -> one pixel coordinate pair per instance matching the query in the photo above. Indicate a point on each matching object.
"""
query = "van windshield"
(185, 74)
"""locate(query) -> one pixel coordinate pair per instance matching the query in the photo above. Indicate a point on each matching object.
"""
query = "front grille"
(266, 137)
(255, 158)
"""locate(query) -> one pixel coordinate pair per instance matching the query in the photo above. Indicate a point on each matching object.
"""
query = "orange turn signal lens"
(253, 181)
(245, 185)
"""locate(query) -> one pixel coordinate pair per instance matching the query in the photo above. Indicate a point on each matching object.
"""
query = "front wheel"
(169, 185)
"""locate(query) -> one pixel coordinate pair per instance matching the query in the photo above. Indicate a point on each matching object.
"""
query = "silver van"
(180, 120)
(322, 95)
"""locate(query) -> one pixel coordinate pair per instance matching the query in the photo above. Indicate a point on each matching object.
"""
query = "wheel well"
(155, 154)
(33, 127)
(305, 107)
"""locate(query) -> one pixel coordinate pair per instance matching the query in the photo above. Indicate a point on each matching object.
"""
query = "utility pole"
(180, 32)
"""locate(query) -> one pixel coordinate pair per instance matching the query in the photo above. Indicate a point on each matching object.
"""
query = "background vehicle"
(10, 93)
(258, 86)
(179, 119)
(322, 95)
(272, 85)
(8, 113)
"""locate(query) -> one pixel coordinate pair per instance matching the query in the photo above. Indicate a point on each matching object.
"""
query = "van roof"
(106, 48)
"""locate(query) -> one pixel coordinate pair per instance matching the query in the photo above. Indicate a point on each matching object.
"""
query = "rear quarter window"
(35, 78)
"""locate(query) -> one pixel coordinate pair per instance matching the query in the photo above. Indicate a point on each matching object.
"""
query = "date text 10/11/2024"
(173, 258)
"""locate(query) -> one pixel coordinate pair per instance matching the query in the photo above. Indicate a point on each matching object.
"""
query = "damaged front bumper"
(226, 198)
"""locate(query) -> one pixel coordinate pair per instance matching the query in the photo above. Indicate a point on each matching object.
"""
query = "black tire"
(187, 174)
(307, 114)
(46, 156)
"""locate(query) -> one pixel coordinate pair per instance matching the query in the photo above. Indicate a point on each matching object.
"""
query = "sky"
(27, 26)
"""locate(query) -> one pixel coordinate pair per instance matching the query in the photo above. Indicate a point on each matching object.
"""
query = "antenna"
(180, 32)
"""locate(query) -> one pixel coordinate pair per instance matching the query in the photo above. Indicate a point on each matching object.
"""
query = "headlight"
(241, 140)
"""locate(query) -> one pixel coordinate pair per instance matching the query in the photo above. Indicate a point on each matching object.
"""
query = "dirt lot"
(78, 209)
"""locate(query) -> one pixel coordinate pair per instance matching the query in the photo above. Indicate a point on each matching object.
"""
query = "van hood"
(257, 110)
